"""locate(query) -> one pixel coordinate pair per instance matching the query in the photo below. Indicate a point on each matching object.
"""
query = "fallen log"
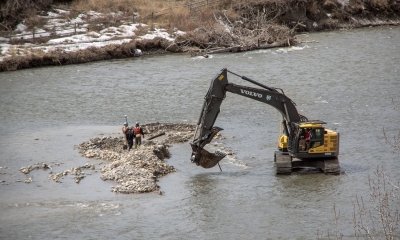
(238, 48)
(272, 45)
(157, 135)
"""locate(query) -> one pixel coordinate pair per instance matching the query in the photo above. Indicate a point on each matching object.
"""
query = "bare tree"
(382, 219)
(379, 216)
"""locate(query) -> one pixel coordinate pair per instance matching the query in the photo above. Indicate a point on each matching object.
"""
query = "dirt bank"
(91, 54)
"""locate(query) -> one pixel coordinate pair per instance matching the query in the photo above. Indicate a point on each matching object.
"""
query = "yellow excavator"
(302, 143)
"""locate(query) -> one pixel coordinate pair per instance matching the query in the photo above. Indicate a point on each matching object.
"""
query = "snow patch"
(73, 35)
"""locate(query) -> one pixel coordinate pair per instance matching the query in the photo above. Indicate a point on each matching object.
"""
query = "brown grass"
(36, 40)
(141, 30)
(165, 13)
(179, 18)
(144, 7)
(33, 20)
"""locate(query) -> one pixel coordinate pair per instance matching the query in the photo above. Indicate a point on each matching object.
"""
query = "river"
(347, 78)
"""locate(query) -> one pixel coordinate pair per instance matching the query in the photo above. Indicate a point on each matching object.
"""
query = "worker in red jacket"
(138, 131)
(307, 136)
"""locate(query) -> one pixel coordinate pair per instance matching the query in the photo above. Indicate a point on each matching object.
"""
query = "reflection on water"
(348, 79)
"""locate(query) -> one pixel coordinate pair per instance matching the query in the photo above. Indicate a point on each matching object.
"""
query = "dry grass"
(166, 13)
(144, 7)
(142, 30)
(36, 40)
(171, 14)
(179, 18)
(33, 20)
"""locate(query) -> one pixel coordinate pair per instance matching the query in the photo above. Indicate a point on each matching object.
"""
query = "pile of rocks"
(137, 170)
(36, 166)
(76, 171)
(29, 168)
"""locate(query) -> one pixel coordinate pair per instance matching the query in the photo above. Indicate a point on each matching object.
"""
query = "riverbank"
(244, 27)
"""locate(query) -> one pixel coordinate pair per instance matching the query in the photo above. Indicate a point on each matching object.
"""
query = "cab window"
(317, 137)
(317, 133)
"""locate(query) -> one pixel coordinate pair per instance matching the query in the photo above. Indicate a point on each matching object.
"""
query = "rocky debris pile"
(36, 166)
(137, 170)
(111, 147)
(77, 171)
(175, 133)
(28, 180)
(29, 168)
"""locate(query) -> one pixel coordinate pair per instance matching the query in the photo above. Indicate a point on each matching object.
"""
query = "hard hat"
(137, 124)
(126, 123)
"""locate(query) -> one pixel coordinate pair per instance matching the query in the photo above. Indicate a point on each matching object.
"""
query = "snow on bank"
(77, 37)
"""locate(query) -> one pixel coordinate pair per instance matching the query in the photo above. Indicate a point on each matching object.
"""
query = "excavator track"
(283, 163)
(332, 166)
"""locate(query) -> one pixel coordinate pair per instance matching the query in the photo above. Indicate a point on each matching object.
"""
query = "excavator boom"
(205, 130)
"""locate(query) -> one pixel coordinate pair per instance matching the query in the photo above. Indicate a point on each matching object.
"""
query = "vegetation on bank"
(302, 14)
(211, 25)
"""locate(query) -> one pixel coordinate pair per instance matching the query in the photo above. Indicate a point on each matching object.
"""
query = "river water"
(346, 78)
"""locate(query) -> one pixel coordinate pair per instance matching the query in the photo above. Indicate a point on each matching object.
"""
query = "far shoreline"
(149, 48)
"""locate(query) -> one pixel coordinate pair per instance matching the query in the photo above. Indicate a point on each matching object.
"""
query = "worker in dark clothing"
(130, 135)
(138, 135)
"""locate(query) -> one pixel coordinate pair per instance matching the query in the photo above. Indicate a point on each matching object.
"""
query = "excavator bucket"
(203, 158)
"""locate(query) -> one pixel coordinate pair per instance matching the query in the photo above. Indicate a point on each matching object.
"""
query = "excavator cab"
(312, 140)
(310, 144)
(310, 137)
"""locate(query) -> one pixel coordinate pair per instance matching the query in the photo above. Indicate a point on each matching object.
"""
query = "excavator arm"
(205, 130)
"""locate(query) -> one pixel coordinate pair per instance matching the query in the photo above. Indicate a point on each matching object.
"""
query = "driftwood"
(205, 53)
(246, 48)
(243, 34)
(157, 135)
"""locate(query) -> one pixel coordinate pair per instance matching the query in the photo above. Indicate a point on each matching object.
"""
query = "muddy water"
(348, 79)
